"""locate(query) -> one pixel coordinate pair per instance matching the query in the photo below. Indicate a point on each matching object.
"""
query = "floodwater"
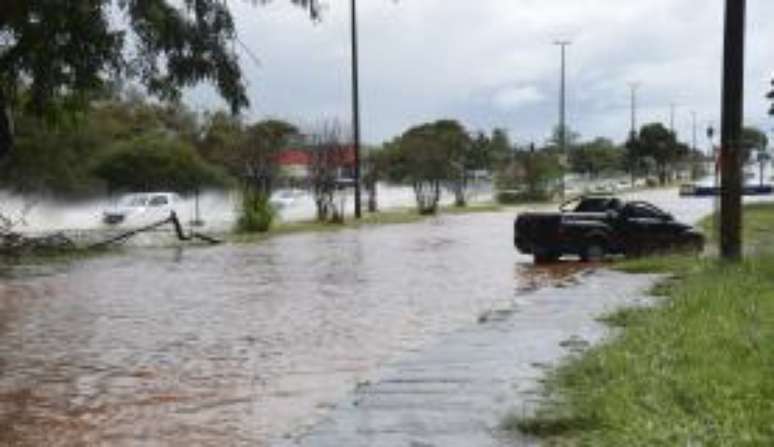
(218, 210)
(245, 344)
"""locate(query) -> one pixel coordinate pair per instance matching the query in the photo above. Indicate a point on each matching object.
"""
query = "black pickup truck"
(593, 227)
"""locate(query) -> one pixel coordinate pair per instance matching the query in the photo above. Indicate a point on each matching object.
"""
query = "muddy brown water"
(243, 344)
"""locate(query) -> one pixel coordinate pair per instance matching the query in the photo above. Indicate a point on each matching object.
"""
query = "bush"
(257, 213)
(157, 163)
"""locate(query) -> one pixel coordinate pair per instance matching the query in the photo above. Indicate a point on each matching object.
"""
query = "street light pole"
(356, 110)
(563, 44)
(672, 108)
(733, 112)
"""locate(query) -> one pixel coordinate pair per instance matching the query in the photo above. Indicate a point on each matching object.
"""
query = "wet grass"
(395, 216)
(758, 229)
(694, 370)
(672, 264)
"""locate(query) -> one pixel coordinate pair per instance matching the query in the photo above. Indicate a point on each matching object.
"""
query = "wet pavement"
(456, 393)
(421, 334)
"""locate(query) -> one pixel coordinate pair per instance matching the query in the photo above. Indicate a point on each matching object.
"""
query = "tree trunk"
(427, 196)
(6, 126)
(373, 206)
(460, 188)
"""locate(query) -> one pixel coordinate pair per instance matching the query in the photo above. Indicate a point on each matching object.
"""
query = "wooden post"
(733, 111)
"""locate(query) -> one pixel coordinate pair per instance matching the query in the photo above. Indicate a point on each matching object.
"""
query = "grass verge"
(758, 229)
(389, 217)
(695, 370)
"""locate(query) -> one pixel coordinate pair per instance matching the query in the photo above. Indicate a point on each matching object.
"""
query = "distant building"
(295, 162)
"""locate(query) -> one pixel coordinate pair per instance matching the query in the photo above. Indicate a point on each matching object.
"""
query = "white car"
(142, 208)
(285, 198)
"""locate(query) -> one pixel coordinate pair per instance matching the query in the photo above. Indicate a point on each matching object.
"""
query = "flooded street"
(253, 344)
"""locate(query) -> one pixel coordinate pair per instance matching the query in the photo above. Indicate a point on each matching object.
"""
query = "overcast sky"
(490, 63)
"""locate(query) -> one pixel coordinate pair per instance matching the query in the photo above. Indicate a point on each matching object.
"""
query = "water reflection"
(531, 277)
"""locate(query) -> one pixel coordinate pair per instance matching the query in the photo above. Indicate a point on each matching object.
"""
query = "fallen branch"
(172, 219)
(13, 243)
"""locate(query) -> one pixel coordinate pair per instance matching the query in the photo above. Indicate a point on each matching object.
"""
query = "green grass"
(758, 228)
(677, 264)
(391, 217)
(698, 369)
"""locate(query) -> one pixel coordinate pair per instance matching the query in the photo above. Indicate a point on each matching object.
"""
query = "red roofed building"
(295, 163)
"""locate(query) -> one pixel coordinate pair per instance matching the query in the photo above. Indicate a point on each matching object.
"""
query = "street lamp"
(563, 44)
(633, 86)
(356, 110)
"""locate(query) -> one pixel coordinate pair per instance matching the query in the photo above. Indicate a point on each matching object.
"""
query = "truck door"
(644, 228)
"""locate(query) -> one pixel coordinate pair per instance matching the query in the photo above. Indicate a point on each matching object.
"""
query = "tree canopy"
(596, 157)
(157, 163)
(753, 139)
(658, 145)
(62, 52)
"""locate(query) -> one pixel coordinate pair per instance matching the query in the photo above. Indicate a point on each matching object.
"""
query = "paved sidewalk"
(457, 392)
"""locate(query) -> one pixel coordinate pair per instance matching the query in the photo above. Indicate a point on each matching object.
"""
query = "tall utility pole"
(730, 146)
(693, 124)
(356, 110)
(633, 86)
(563, 44)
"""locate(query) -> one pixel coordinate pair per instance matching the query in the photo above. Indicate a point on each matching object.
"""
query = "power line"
(633, 86)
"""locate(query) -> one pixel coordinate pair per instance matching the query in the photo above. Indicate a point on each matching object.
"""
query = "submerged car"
(142, 208)
(594, 227)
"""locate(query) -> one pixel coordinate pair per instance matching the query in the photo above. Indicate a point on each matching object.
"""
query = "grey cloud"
(491, 63)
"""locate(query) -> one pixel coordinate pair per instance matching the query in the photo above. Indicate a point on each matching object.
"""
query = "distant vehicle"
(285, 198)
(594, 227)
(709, 190)
(142, 208)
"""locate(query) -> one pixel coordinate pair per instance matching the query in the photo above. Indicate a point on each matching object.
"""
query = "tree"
(223, 133)
(257, 154)
(432, 154)
(60, 53)
(659, 143)
(532, 174)
(753, 139)
(489, 152)
(632, 156)
(375, 165)
(596, 157)
(157, 163)
(499, 150)
(83, 140)
(450, 136)
(555, 141)
(327, 156)
(770, 96)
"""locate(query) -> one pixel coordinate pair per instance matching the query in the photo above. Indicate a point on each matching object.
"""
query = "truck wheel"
(595, 251)
(695, 246)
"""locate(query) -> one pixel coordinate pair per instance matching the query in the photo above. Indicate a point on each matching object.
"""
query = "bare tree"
(327, 157)
(257, 152)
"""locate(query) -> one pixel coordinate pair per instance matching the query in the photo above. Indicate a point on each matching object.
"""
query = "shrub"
(257, 213)
(157, 163)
